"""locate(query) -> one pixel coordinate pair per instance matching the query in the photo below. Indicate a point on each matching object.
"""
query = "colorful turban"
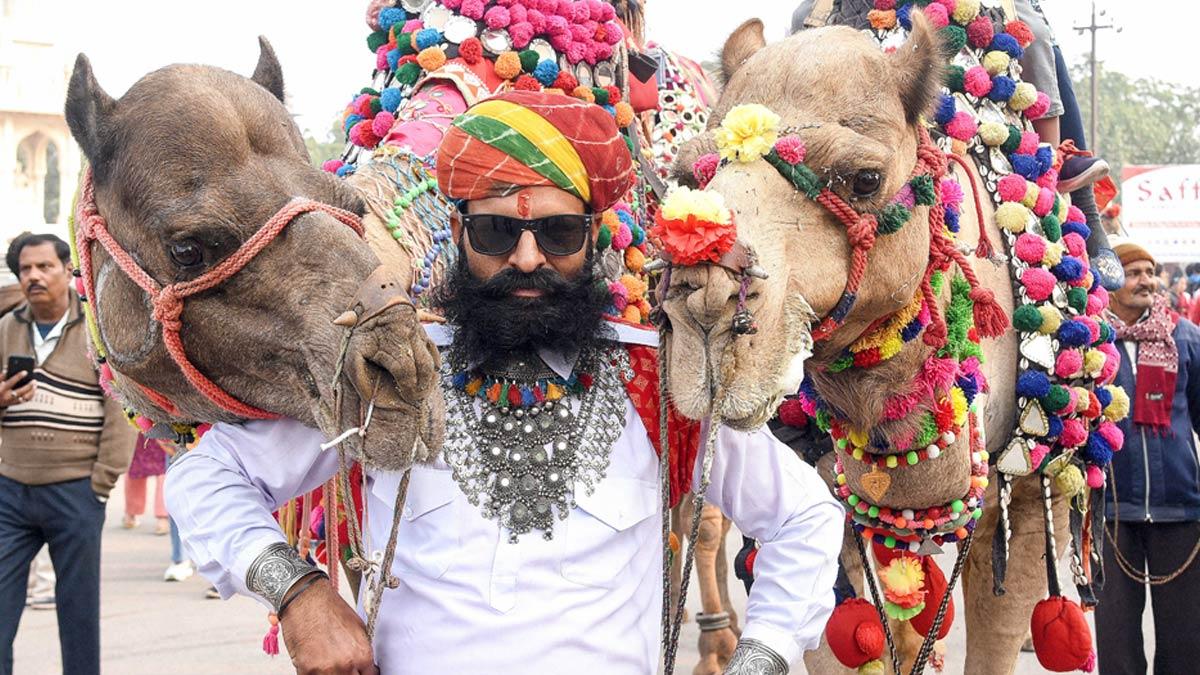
(524, 139)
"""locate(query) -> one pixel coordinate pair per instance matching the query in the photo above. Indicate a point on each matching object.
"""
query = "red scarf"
(1157, 364)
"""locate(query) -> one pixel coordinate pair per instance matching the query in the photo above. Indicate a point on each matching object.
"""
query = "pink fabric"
(135, 496)
(422, 120)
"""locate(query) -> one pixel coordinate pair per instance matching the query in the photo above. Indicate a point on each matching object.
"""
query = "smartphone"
(18, 363)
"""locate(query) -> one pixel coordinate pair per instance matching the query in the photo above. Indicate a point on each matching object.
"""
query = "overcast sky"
(321, 43)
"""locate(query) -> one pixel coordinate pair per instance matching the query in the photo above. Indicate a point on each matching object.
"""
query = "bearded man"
(531, 544)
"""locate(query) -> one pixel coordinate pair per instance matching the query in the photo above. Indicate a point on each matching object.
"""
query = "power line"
(1093, 28)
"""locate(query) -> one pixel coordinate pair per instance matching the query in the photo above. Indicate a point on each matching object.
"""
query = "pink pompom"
(1092, 325)
(579, 13)
(980, 32)
(520, 34)
(977, 82)
(594, 9)
(555, 25)
(937, 15)
(1028, 144)
(599, 51)
(517, 14)
(622, 238)
(576, 51)
(1069, 362)
(1038, 108)
(1074, 434)
(1112, 434)
(962, 126)
(497, 18)
(808, 405)
(1045, 202)
(1094, 306)
(373, 11)
(1030, 248)
(1037, 454)
(452, 4)
(607, 12)
(562, 43)
(952, 194)
(620, 295)
(1012, 188)
(580, 33)
(413, 25)
(472, 9)
(1095, 478)
(705, 168)
(885, 4)
(1039, 283)
(1102, 293)
(1075, 244)
(1074, 215)
(948, 4)
(381, 62)
(612, 32)
(1111, 363)
(791, 149)
(1049, 179)
(382, 123)
(332, 165)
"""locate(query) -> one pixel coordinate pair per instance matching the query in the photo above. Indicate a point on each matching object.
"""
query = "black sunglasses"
(558, 235)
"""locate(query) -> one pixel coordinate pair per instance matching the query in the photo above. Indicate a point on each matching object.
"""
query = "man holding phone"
(63, 445)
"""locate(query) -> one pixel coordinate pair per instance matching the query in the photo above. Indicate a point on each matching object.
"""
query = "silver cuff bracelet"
(274, 571)
(755, 658)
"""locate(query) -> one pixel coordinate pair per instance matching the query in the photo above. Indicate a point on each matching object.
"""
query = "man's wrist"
(755, 658)
(275, 571)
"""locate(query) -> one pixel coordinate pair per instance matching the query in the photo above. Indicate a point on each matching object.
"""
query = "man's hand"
(324, 635)
(10, 395)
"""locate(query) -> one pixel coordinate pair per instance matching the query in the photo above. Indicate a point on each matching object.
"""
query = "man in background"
(62, 447)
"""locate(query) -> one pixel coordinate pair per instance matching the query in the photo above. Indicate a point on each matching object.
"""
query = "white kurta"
(588, 601)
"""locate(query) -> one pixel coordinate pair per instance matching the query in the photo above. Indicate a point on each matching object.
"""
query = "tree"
(1142, 121)
(329, 146)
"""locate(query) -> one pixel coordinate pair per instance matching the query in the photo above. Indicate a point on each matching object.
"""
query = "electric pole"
(1093, 28)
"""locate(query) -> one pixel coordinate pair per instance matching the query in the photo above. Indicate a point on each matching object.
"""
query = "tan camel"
(857, 109)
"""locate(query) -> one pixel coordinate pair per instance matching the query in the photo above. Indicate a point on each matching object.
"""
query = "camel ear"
(689, 152)
(88, 108)
(267, 73)
(919, 68)
(743, 43)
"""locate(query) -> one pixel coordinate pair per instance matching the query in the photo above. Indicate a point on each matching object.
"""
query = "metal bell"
(744, 323)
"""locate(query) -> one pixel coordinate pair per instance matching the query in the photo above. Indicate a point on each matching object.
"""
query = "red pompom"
(471, 51)
(566, 82)
(854, 633)
(1021, 32)
(980, 32)
(792, 414)
(1061, 636)
(935, 590)
(527, 83)
(614, 95)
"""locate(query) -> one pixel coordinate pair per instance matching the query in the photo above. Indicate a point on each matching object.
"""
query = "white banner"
(1160, 209)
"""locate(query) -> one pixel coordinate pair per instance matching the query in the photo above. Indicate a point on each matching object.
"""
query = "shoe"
(163, 526)
(1080, 170)
(130, 522)
(180, 571)
(212, 593)
(41, 603)
(1106, 266)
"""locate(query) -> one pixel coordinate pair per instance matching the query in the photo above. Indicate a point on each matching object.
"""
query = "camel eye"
(866, 182)
(186, 253)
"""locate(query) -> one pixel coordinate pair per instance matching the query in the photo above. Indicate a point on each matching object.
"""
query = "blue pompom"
(345, 170)
(428, 37)
(1025, 165)
(393, 58)
(1003, 87)
(1080, 229)
(1045, 159)
(1074, 334)
(945, 109)
(969, 386)
(1104, 396)
(1055, 425)
(1069, 269)
(1007, 44)
(351, 120)
(952, 220)
(627, 218)
(639, 236)
(546, 72)
(390, 99)
(1033, 384)
(904, 16)
(1097, 450)
(390, 17)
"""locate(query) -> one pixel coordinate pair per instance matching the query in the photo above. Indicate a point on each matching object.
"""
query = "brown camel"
(857, 109)
(187, 166)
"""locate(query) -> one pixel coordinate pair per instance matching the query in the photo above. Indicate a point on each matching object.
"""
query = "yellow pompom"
(1023, 97)
(872, 668)
(624, 114)
(706, 206)
(635, 260)
(891, 346)
(609, 219)
(1093, 362)
(996, 62)
(1063, 206)
(508, 66)
(1031, 195)
(632, 314)
(858, 437)
(584, 93)
(1082, 400)
(993, 134)
(748, 132)
(1119, 408)
(1054, 253)
(432, 58)
(958, 402)
(1070, 481)
(1051, 319)
(635, 288)
(965, 10)
(1012, 217)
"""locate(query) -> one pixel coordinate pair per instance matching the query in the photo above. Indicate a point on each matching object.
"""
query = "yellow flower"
(1070, 480)
(903, 576)
(707, 206)
(748, 132)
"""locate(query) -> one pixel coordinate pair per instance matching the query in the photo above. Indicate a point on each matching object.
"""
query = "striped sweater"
(69, 430)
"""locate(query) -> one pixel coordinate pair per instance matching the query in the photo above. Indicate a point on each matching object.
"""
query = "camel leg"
(716, 646)
(681, 517)
(996, 626)
(723, 577)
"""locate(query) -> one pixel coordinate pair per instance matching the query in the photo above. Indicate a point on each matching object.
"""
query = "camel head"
(856, 108)
(187, 167)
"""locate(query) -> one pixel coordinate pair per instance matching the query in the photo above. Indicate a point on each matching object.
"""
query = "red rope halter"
(167, 301)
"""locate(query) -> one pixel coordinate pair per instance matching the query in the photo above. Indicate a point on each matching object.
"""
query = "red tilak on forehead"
(524, 203)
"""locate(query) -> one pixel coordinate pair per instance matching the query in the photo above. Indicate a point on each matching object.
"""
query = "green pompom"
(529, 60)
(376, 106)
(1105, 333)
(1027, 318)
(368, 90)
(841, 364)
(603, 238)
(1077, 299)
(1013, 141)
(376, 40)
(408, 73)
(922, 187)
(601, 95)
(954, 38)
(954, 78)
(404, 42)
(1057, 399)
(892, 218)
(1051, 228)
(935, 281)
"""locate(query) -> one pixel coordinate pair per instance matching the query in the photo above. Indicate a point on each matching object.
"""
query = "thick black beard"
(490, 323)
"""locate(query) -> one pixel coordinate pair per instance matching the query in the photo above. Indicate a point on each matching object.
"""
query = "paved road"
(150, 627)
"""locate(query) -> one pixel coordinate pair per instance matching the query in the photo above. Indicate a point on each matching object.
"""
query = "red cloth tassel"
(854, 633)
(990, 320)
(1061, 637)
(271, 639)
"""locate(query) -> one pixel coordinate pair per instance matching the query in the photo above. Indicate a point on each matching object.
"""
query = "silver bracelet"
(712, 622)
(755, 658)
(274, 571)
